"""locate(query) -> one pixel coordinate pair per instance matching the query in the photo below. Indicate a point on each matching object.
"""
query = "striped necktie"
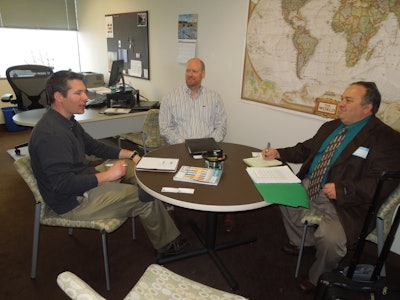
(320, 169)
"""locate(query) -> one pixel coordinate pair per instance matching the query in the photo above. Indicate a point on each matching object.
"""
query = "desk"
(96, 124)
(235, 192)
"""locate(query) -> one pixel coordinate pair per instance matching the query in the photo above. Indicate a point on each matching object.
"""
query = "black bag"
(352, 283)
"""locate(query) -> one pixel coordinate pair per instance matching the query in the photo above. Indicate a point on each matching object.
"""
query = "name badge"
(361, 152)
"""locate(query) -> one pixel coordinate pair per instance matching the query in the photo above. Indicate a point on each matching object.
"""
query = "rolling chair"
(28, 83)
(149, 138)
(157, 282)
(45, 216)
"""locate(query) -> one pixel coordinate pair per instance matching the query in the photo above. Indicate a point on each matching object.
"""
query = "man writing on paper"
(76, 190)
(193, 111)
(340, 169)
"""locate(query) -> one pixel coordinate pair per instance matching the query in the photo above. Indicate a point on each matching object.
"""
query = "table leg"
(208, 241)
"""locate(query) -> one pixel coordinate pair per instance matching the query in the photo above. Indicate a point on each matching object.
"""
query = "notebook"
(200, 146)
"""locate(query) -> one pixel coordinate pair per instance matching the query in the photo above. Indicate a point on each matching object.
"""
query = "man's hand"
(329, 190)
(115, 172)
(270, 153)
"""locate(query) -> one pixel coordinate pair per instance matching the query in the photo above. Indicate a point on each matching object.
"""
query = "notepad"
(261, 162)
(157, 164)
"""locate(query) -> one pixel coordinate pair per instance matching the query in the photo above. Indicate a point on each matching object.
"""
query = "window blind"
(38, 14)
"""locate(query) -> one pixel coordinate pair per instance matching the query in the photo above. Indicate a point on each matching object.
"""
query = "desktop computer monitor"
(117, 73)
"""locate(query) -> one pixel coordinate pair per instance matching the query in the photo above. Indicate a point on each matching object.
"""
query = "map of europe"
(301, 50)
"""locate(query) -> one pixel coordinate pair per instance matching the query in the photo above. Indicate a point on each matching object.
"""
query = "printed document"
(280, 174)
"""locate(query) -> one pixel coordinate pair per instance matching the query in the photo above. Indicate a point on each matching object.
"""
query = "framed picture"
(326, 108)
(142, 19)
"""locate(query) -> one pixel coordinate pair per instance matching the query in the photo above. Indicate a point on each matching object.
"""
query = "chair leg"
(303, 239)
(381, 239)
(35, 245)
(105, 253)
(133, 228)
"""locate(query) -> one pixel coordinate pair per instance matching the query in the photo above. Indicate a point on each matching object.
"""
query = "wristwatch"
(134, 154)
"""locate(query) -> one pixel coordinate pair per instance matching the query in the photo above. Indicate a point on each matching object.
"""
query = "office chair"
(149, 138)
(157, 282)
(45, 216)
(384, 218)
(28, 83)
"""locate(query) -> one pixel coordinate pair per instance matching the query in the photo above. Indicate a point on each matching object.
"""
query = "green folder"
(291, 194)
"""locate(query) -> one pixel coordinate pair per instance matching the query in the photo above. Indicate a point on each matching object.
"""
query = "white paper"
(281, 174)
(136, 68)
(186, 51)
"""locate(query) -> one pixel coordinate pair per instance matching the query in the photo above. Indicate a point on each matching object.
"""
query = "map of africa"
(301, 50)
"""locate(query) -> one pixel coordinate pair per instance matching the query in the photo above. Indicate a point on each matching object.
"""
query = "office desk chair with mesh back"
(29, 85)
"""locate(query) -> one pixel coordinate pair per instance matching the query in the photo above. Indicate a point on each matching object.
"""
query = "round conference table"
(235, 192)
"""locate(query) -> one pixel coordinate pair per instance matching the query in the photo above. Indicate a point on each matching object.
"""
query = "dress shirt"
(183, 117)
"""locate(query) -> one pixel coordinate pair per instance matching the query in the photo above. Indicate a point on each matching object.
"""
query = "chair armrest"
(75, 288)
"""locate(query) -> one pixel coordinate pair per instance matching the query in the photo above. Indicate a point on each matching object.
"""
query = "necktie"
(320, 169)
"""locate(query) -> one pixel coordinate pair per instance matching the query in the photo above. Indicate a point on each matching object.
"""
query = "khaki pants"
(328, 238)
(120, 199)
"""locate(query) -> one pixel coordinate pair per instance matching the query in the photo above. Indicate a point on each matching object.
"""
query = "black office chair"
(29, 85)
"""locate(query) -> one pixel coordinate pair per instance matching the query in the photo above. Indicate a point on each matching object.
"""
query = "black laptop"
(201, 146)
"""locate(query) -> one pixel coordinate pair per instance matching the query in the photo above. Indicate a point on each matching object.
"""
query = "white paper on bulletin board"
(136, 68)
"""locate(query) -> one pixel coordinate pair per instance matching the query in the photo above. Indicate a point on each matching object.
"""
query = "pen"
(268, 146)
(110, 165)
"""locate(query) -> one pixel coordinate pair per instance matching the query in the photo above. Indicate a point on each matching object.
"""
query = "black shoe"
(172, 248)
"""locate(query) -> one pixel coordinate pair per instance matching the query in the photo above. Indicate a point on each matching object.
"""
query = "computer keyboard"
(96, 101)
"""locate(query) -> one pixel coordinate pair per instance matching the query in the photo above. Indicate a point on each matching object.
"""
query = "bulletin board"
(128, 39)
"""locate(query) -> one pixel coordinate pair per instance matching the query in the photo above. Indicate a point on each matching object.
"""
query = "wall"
(221, 44)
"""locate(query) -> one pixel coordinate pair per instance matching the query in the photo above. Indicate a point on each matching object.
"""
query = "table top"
(234, 192)
(93, 114)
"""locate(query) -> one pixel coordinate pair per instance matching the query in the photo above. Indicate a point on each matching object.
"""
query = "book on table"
(198, 175)
(279, 185)
(157, 164)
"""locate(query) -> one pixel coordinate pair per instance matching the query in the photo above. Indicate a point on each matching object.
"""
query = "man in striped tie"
(340, 167)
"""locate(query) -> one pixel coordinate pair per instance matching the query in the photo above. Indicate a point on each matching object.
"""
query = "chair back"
(23, 166)
(29, 85)
(151, 130)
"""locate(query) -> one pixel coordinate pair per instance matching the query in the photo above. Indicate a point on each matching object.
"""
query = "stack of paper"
(281, 174)
(198, 175)
(279, 185)
(157, 164)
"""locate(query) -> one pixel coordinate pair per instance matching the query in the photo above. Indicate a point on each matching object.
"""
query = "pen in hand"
(268, 146)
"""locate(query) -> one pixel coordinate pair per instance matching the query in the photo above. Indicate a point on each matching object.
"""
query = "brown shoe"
(172, 248)
(306, 285)
(294, 250)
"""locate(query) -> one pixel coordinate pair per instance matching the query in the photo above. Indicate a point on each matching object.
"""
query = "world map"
(301, 50)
